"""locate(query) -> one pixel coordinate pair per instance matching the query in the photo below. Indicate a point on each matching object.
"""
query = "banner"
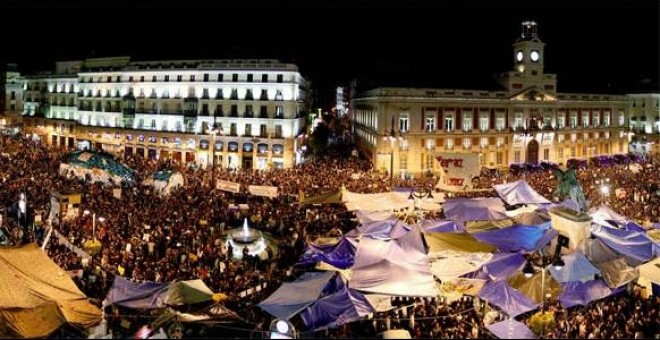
(116, 193)
(259, 190)
(228, 186)
(458, 169)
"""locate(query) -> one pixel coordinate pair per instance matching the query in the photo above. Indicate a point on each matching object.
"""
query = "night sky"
(595, 46)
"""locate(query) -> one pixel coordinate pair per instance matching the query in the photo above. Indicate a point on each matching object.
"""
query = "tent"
(517, 238)
(38, 296)
(533, 287)
(649, 277)
(384, 230)
(635, 246)
(596, 251)
(531, 218)
(453, 267)
(165, 181)
(293, 297)
(395, 267)
(100, 166)
(616, 272)
(341, 306)
(511, 329)
(142, 295)
(519, 192)
(439, 226)
(475, 209)
(576, 268)
(474, 227)
(371, 216)
(582, 293)
(503, 265)
(451, 244)
(603, 213)
(383, 201)
(187, 293)
(340, 255)
(509, 300)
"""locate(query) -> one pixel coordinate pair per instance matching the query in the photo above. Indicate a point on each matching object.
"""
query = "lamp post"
(414, 196)
(213, 133)
(101, 219)
(604, 188)
(392, 138)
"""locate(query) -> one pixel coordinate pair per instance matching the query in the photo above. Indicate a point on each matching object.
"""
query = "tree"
(319, 138)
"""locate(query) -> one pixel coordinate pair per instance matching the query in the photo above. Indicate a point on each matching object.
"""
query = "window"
(234, 111)
(234, 77)
(263, 131)
(430, 160)
(192, 77)
(153, 124)
(278, 95)
(622, 118)
(278, 131)
(250, 77)
(163, 126)
(606, 119)
(403, 161)
(430, 124)
(573, 151)
(205, 93)
(249, 112)
(573, 137)
(279, 112)
(109, 79)
(560, 122)
(596, 119)
(467, 121)
(248, 95)
(248, 129)
(142, 78)
(516, 156)
(167, 78)
(218, 110)
(153, 78)
(585, 119)
(232, 129)
(219, 95)
(546, 154)
(403, 123)
(499, 141)
(264, 78)
(560, 153)
(499, 123)
(449, 144)
(449, 123)
(467, 143)
(484, 123)
(573, 120)
(280, 78)
(179, 78)
(560, 138)
(584, 150)
(13, 95)
(483, 142)
(547, 120)
(264, 94)
(205, 109)
(234, 94)
(220, 77)
(206, 77)
(263, 111)
(518, 120)
(499, 157)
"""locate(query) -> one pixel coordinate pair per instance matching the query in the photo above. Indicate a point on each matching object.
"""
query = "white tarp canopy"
(603, 213)
(453, 267)
(519, 192)
(651, 271)
(576, 268)
(397, 267)
(384, 201)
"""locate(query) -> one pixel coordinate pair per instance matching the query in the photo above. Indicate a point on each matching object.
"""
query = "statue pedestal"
(571, 224)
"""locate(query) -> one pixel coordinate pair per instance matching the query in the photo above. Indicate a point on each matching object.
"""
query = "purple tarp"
(475, 209)
(439, 226)
(576, 268)
(517, 238)
(582, 293)
(378, 229)
(511, 329)
(293, 297)
(508, 299)
(500, 267)
(635, 246)
(340, 255)
(143, 295)
(341, 306)
(519, 192)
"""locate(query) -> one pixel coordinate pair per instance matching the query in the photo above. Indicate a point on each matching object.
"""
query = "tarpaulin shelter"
(533, 287)
(635, 246)
(649, 277)
(616, 272)
(450, 244)
(531, 218)
(38, 296)
(576, 268)
(341, 306)
(519, 192)
(511, 329)
(165, 181)
(596, 251)
(383, 201)
(582, 293)
(187, 293)
(501, 266)
(517, 238)
(474, 227)
(293, 297)
(440, 226)
(137, 295)
(602, 213)
(463, 212)
(371, 216)
(451, 268)
(340, 255)
(100, 166)
(509, 300)
(382, 230)
(396, 267)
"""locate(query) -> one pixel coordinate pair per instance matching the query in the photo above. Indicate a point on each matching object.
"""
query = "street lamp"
(392, 138)
(101, 219)
(213, 133)
(556, 261)
(415, 196)
(604, 188)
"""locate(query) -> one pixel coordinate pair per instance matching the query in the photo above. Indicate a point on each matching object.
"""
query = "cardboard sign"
(259, 190)
(228, 186)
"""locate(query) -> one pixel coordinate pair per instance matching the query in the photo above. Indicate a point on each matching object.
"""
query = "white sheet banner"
(259, 190)
(228, 186)
(459, 168)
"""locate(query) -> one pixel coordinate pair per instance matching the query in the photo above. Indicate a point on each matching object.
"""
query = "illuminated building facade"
(233, 113)
(527, 121)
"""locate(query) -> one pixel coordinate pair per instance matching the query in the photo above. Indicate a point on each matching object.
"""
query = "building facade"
(645, 123)
(231, 113)
(527, 121)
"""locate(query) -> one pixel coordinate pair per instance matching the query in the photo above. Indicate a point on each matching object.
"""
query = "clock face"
(534, 55)
(519, 56)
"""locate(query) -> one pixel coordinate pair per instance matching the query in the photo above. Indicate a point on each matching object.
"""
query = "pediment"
(533, 93)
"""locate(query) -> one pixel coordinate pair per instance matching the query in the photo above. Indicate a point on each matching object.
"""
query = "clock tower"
(528, 60)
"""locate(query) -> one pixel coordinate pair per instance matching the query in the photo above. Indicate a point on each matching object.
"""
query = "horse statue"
(568, 186)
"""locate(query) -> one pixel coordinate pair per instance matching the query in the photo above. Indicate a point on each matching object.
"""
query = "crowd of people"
(181, 236)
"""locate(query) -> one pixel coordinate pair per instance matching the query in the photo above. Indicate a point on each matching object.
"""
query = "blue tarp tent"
(517, 238)
(500, 267)
(340, 255)
(439, 226)
(341, 306)
(511, 329)
(293, 297)
(509, 300)
(378, 229)
(475, 209)
(635, 246)
(91, 160)
(144, 295)
(576, 268)
(582, 293)
(519, 192)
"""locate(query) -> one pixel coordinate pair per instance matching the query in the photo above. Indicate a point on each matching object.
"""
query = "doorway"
(533, 152)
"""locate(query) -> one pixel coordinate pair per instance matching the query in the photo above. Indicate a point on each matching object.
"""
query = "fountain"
(240, 238)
